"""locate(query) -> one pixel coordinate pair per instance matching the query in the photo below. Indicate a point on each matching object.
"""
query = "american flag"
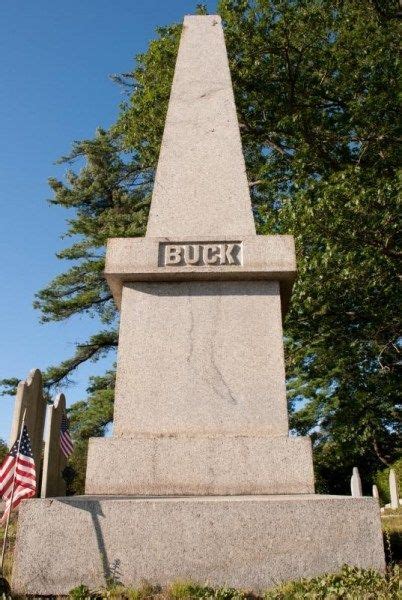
(66, 443)
(18, 473)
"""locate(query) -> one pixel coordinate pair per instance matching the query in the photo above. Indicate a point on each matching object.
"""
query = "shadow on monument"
(110, 569)
(211, 287)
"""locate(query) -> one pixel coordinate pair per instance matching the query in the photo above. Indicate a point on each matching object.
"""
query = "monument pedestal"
(250, 542)
(195, 464)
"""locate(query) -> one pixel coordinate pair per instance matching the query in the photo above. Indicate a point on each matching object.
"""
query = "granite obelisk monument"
(200, 479)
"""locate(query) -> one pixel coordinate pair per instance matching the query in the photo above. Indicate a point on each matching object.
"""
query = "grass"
(349, 584)
(8, 561)
(392, 527)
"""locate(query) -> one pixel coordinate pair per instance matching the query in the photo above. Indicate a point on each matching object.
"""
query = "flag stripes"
(17, 474)
(66, 443)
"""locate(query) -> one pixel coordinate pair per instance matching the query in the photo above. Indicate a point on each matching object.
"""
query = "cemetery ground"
(349, 584)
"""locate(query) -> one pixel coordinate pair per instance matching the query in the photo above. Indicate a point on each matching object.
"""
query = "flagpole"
(3, 552)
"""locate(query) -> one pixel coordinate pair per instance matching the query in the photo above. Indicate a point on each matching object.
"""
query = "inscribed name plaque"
(200, 254)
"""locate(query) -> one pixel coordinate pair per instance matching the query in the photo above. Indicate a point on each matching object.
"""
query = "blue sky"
(56, 59)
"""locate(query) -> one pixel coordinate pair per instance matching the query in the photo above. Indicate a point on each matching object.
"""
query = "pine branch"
(95, 348)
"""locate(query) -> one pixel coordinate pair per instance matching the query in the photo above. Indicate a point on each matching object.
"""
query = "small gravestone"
(356, 484)
(54, 461)
(393, 489)
(200, 480)
(375, 492)
(30, 401)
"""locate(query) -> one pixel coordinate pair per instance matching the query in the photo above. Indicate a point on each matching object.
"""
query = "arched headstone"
(30, 397)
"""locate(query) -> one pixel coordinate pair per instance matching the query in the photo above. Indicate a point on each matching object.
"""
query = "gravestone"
(200, 479)
(356, 484)
(393, 489)
(54, 461)
(375, 492)
(29, 400)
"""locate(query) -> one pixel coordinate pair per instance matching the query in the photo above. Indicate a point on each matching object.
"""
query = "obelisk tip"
(201, 186)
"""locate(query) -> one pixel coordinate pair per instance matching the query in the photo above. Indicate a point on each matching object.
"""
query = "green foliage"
(9, 386)
(116, 592)
(110, 198)
(349, 584)
(79, 593)
(188, 590)
(391, 521)
(142, 117)
(316, 88)
(181, 590)
(3, 450)
(201, 9)
(382, 480)
(8, 559)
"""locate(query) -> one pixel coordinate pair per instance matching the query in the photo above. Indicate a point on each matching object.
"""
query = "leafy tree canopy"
(316, 88)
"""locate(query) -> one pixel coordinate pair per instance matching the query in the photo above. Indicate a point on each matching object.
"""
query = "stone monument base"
(250, 542)
(199, 465)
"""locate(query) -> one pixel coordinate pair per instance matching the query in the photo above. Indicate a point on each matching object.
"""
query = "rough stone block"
(252, 542)
(191, 465)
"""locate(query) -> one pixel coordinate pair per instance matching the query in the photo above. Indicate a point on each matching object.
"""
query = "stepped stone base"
(251, 542)
(200, 465)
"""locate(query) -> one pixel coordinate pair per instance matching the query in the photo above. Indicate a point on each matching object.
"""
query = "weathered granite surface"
(201, 357)
(201, 185)
(204, 465)
(245, 541)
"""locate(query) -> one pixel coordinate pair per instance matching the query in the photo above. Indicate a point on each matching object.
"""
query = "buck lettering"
(207, 254)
